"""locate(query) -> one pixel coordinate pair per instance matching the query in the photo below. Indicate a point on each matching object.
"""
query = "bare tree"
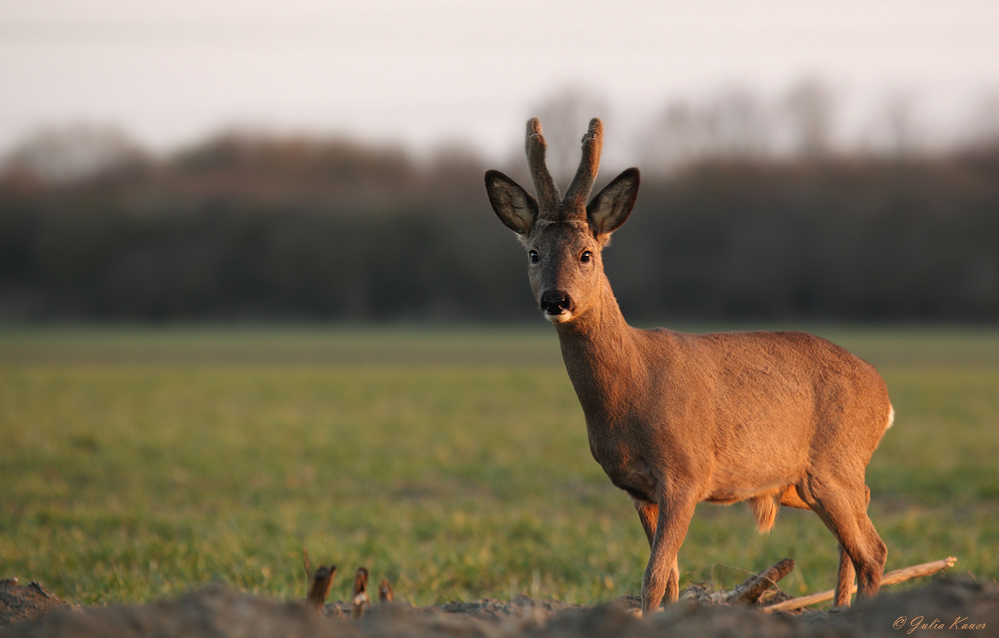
(676, 139)
(738, 125)
(810, 109)
(73, 152)
(983, 128)
(732, 124)
(893, 128)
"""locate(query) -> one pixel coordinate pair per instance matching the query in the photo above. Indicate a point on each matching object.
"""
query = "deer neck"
(600, 353)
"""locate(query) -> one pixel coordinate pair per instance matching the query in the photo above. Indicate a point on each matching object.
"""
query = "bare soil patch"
(946, 604)
(21, 603)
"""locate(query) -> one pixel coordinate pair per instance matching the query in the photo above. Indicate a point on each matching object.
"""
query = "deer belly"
(733, 486)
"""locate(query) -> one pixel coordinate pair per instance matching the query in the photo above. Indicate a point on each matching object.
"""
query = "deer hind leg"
(672, 593)
(843, 508)
(845, 575)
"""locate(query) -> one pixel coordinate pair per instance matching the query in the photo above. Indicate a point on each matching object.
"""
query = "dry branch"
(891, 578)
(753, 587)
(360, 599)
(319, 586)
(748, 592)
(385, 593)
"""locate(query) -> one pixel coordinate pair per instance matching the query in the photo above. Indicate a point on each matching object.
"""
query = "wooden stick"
(319, 587)
(360, 599)
(753, 587)
(385, 593)
(891, 578)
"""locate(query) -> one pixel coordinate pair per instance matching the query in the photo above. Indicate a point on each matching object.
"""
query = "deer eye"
(533, 255)
(586, 256)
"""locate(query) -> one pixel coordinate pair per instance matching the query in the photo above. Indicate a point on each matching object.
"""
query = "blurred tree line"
(251, 227)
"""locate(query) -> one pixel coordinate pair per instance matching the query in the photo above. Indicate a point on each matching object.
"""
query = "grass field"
(141, 462)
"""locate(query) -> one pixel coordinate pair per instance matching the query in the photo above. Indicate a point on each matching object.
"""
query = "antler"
(548, 195)
(582, 183)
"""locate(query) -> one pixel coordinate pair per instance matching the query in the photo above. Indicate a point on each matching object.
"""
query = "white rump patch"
(891, 417)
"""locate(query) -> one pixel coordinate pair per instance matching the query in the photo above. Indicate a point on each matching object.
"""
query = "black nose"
(555, 302)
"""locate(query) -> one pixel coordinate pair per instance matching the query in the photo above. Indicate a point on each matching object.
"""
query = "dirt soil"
(218, 612)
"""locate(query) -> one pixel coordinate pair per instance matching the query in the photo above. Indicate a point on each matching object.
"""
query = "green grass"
(141, 462)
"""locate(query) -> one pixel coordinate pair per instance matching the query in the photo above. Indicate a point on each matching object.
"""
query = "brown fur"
(674, 419)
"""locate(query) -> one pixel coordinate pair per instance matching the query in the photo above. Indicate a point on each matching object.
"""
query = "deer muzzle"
(556, 304)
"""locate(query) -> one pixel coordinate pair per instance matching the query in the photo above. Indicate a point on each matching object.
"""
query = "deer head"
(564, 237)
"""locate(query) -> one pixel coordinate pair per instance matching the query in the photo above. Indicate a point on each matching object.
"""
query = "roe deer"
(778, 418)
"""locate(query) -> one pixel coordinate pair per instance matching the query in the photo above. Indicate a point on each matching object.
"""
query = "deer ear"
(512, 204)
(611, 207)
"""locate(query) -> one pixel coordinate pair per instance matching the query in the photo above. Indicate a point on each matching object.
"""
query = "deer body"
(674, 419)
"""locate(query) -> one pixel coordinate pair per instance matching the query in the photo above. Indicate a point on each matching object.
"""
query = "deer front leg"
(662, 576)
(648, 513)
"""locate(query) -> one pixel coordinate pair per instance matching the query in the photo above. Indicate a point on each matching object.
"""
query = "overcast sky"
(433, 71)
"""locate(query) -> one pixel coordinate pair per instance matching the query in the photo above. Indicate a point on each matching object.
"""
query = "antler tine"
(582, 183)
(548, 195)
